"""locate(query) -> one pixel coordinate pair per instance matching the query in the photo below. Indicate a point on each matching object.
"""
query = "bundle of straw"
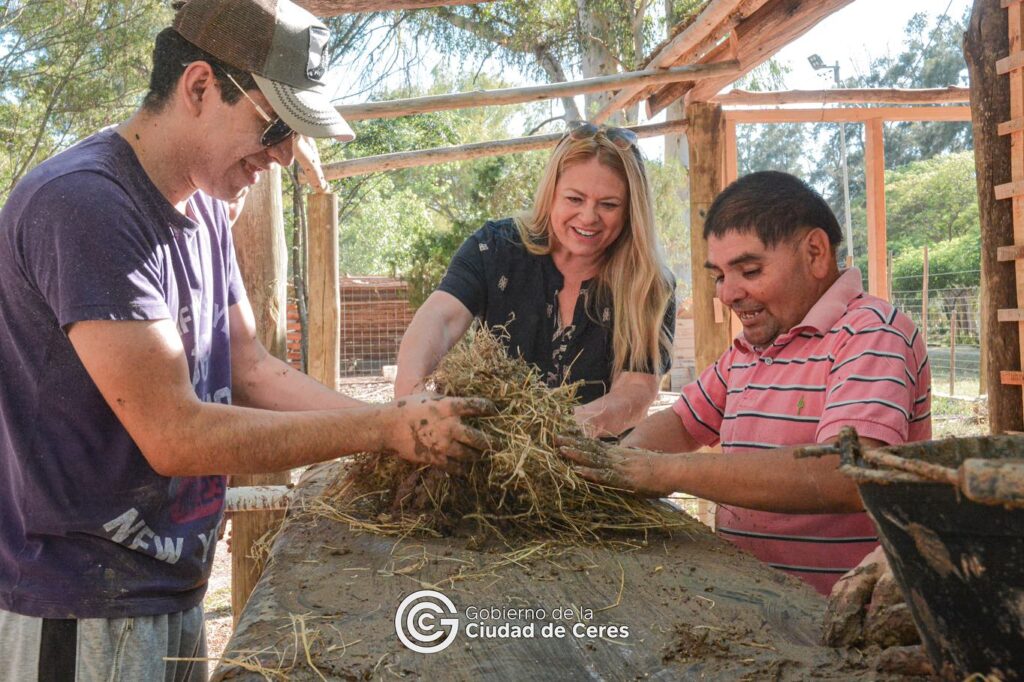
(521, 489)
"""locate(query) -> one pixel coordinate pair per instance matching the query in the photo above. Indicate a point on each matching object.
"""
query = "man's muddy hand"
(866, 607)
(429, 429)
(615, 466)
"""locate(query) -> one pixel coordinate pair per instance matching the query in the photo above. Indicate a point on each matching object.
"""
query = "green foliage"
(669, 185)
(68, 68)
(521, 34)
(952, 263)
(780, 146)
(931, 57)
(931, 201)
(409, 223)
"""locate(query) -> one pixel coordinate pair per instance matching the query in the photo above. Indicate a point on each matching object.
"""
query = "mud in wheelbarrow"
(950, 515)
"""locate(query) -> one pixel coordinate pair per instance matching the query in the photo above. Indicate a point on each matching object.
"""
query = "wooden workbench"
(695, 607)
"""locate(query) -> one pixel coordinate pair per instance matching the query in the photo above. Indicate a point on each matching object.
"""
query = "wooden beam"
(776, 24)
(710, 26)
(1011, 378)
(1010, 63)
(849, 114)
(1009, 190)
(427, 157)
(532, 93)
(1008, 253)
(846, 96)
(262, 255)
(706, 141)
(730, 160)
(332, 8)
(1011, 315)
(1011, 126)
(874, 171)
(324, 296)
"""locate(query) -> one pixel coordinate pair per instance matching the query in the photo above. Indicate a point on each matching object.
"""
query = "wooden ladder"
(1013, 66)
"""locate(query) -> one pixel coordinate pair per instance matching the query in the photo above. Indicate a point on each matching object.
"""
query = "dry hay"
(520, 492)
(299, 647)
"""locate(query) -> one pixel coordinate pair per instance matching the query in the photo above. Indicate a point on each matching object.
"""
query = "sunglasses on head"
(277, 131)
(623, 138)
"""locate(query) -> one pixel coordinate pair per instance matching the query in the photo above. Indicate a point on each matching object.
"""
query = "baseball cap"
(282, 45)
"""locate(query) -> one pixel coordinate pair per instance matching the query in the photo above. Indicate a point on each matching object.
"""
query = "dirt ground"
(218, 595)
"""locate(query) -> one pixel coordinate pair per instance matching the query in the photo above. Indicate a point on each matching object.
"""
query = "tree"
(985, 42)
(66, 70)
(553, 39)
(409, 223)
(952, 276)
(934, 203)
(931, 200)
(931, 57)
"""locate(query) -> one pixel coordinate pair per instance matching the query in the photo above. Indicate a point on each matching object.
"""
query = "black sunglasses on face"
(277, 131)
(623, 138)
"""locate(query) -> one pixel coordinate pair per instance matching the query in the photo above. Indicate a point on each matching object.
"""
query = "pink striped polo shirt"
(854, 360)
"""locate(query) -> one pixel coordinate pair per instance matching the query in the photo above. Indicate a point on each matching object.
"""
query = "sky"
(853, 35)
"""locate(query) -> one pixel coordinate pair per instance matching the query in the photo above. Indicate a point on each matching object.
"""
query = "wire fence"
(949, 317)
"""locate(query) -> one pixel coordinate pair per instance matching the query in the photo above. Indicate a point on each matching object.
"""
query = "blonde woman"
(580, 281)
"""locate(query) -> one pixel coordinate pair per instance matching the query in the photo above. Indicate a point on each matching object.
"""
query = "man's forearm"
(772, 480)
(271, 384)
(209, 438)
(663, 431)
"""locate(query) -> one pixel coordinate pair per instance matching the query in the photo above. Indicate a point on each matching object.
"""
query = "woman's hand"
(428, 429)
(640, 471)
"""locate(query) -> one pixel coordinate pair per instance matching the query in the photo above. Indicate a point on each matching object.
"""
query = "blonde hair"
(634, 279)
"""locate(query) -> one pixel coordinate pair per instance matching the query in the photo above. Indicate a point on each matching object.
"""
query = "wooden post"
(952, 351)
(263, 262)
(888, 274)
(924, 299)
(324, 297)
(982, 341)
(730, 171)
(731, 162)
(706, 135)
(874, 169)
(986, 40)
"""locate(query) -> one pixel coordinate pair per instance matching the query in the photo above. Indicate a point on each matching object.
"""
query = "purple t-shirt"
(87, 528)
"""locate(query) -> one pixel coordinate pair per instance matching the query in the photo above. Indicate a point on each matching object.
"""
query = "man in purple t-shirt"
(133, 381)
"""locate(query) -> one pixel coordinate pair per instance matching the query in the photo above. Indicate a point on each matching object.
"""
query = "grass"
(959, 417)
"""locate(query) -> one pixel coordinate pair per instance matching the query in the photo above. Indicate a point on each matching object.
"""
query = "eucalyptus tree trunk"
(596, 58)
(986, 41)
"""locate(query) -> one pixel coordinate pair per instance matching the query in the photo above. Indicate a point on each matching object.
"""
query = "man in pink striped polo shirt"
(816, 354)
